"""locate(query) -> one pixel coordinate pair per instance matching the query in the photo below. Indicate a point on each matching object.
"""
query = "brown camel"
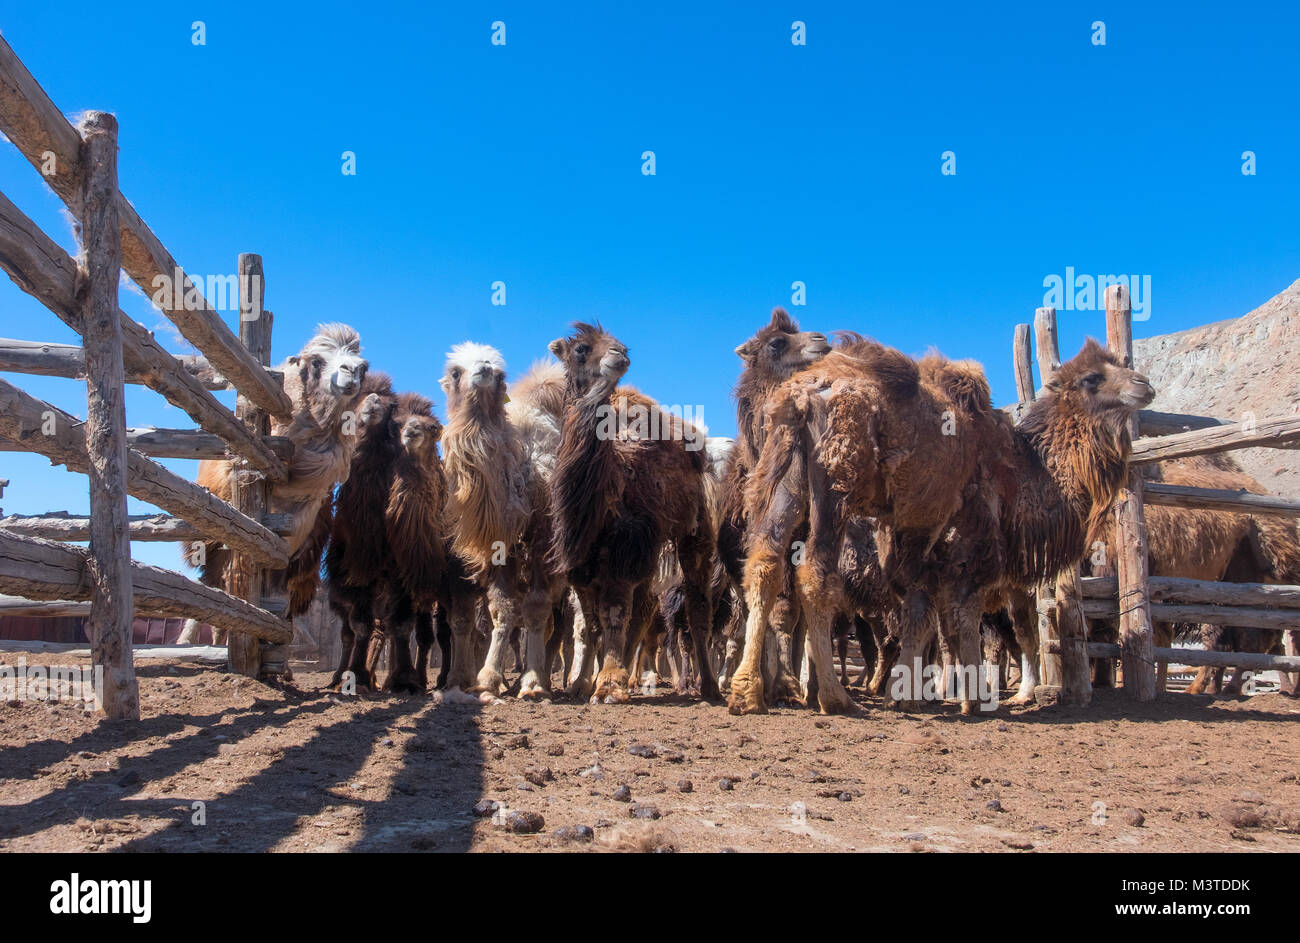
(629, 479)
(323, 381)
(498, 509)
(771, 356)
(964, 502)
(387, 557)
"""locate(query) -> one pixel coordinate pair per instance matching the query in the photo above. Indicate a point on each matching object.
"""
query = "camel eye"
(317, 363)
(582, 350)
(1093, 380)
(455, 373)
(778, 345)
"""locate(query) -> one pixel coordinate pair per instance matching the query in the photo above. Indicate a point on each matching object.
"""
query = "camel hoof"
(746, 697)
(490, 682)
(534, 694)
(1019, 700)
(611, 687)
(969, 709)
(844, 706)
(903, 707)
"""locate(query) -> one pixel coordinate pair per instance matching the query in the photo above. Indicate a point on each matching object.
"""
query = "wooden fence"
(1133, 596)
(80, 166)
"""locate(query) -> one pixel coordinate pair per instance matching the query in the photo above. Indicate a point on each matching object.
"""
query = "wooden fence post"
(1048, 354)
(1023, 361)
(1137, 641)
(247, 578)
(111, 606)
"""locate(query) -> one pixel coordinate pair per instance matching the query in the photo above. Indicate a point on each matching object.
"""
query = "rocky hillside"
(1251, 363)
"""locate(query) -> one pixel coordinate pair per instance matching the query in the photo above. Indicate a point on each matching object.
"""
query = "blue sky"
(775, 163)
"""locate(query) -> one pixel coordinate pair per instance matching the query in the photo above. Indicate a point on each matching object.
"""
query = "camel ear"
(445, 384)
(558, 347)
(747, 350)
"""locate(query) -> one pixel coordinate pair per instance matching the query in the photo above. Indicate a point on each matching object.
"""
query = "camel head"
(475, 380)
(1097, 384)
(590, 355)
(421, 430)
(780, 349)
(329, 373)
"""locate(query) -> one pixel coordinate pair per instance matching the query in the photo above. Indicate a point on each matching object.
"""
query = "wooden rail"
(47, 359)
(43, 569)
(60, 525)
(60, 437)
(1280, 433)
(1197, 658)
(41, 268)
(1218, 499)
(182, 443)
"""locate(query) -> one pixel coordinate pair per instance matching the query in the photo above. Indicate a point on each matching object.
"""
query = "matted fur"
(325, 382)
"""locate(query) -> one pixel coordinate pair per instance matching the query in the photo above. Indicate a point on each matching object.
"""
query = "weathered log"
(48, 359)
(60, 437)
(1152, 422)
(64, 608)
(1218, 499)
(1046, 347)
(1198, 658)
(1248, 617)
(109, 559)
(1280, 433)
(245, 577)
(40, 132)
(43, 569)
(42, 269)
(1076, 681)
(183, 443)
(1022, 358)
(60, 525)
(1183, 591)
(1135, 624)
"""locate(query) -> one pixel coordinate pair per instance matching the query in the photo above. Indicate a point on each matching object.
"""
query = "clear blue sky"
(775, 163)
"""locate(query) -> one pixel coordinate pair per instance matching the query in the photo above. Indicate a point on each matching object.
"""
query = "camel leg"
(555, 637)
(585, 627)
(615, 613)
(818, 614)
(696, 556)
(442, 632)
(363, 627)
(460, 611)
(1290, 680)
(970, 686)
(886, 654)
(402, 675)
(423, 644)
(538, 623)
(1025, 629)
(914, 628)
(504, 610)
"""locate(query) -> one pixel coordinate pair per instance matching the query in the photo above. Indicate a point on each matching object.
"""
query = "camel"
(498, 464)
(323, 381)
(629, 479)
(772, 355)
(387, 555)
(965, 503)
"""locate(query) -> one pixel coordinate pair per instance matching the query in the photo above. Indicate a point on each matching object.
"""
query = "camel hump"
(893, 369)
(962, 381)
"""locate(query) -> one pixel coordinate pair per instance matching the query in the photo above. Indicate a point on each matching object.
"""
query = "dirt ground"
(223, 763)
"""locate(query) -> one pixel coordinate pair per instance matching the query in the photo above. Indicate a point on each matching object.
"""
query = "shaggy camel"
(964, 502)
(772, 355)
(630, 478)
(498, 510)
(387, 554)
(323, 381)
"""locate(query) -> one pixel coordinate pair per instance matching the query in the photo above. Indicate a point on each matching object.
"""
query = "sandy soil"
(295, 768)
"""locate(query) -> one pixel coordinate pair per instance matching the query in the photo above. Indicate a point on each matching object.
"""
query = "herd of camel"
(865, 492)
